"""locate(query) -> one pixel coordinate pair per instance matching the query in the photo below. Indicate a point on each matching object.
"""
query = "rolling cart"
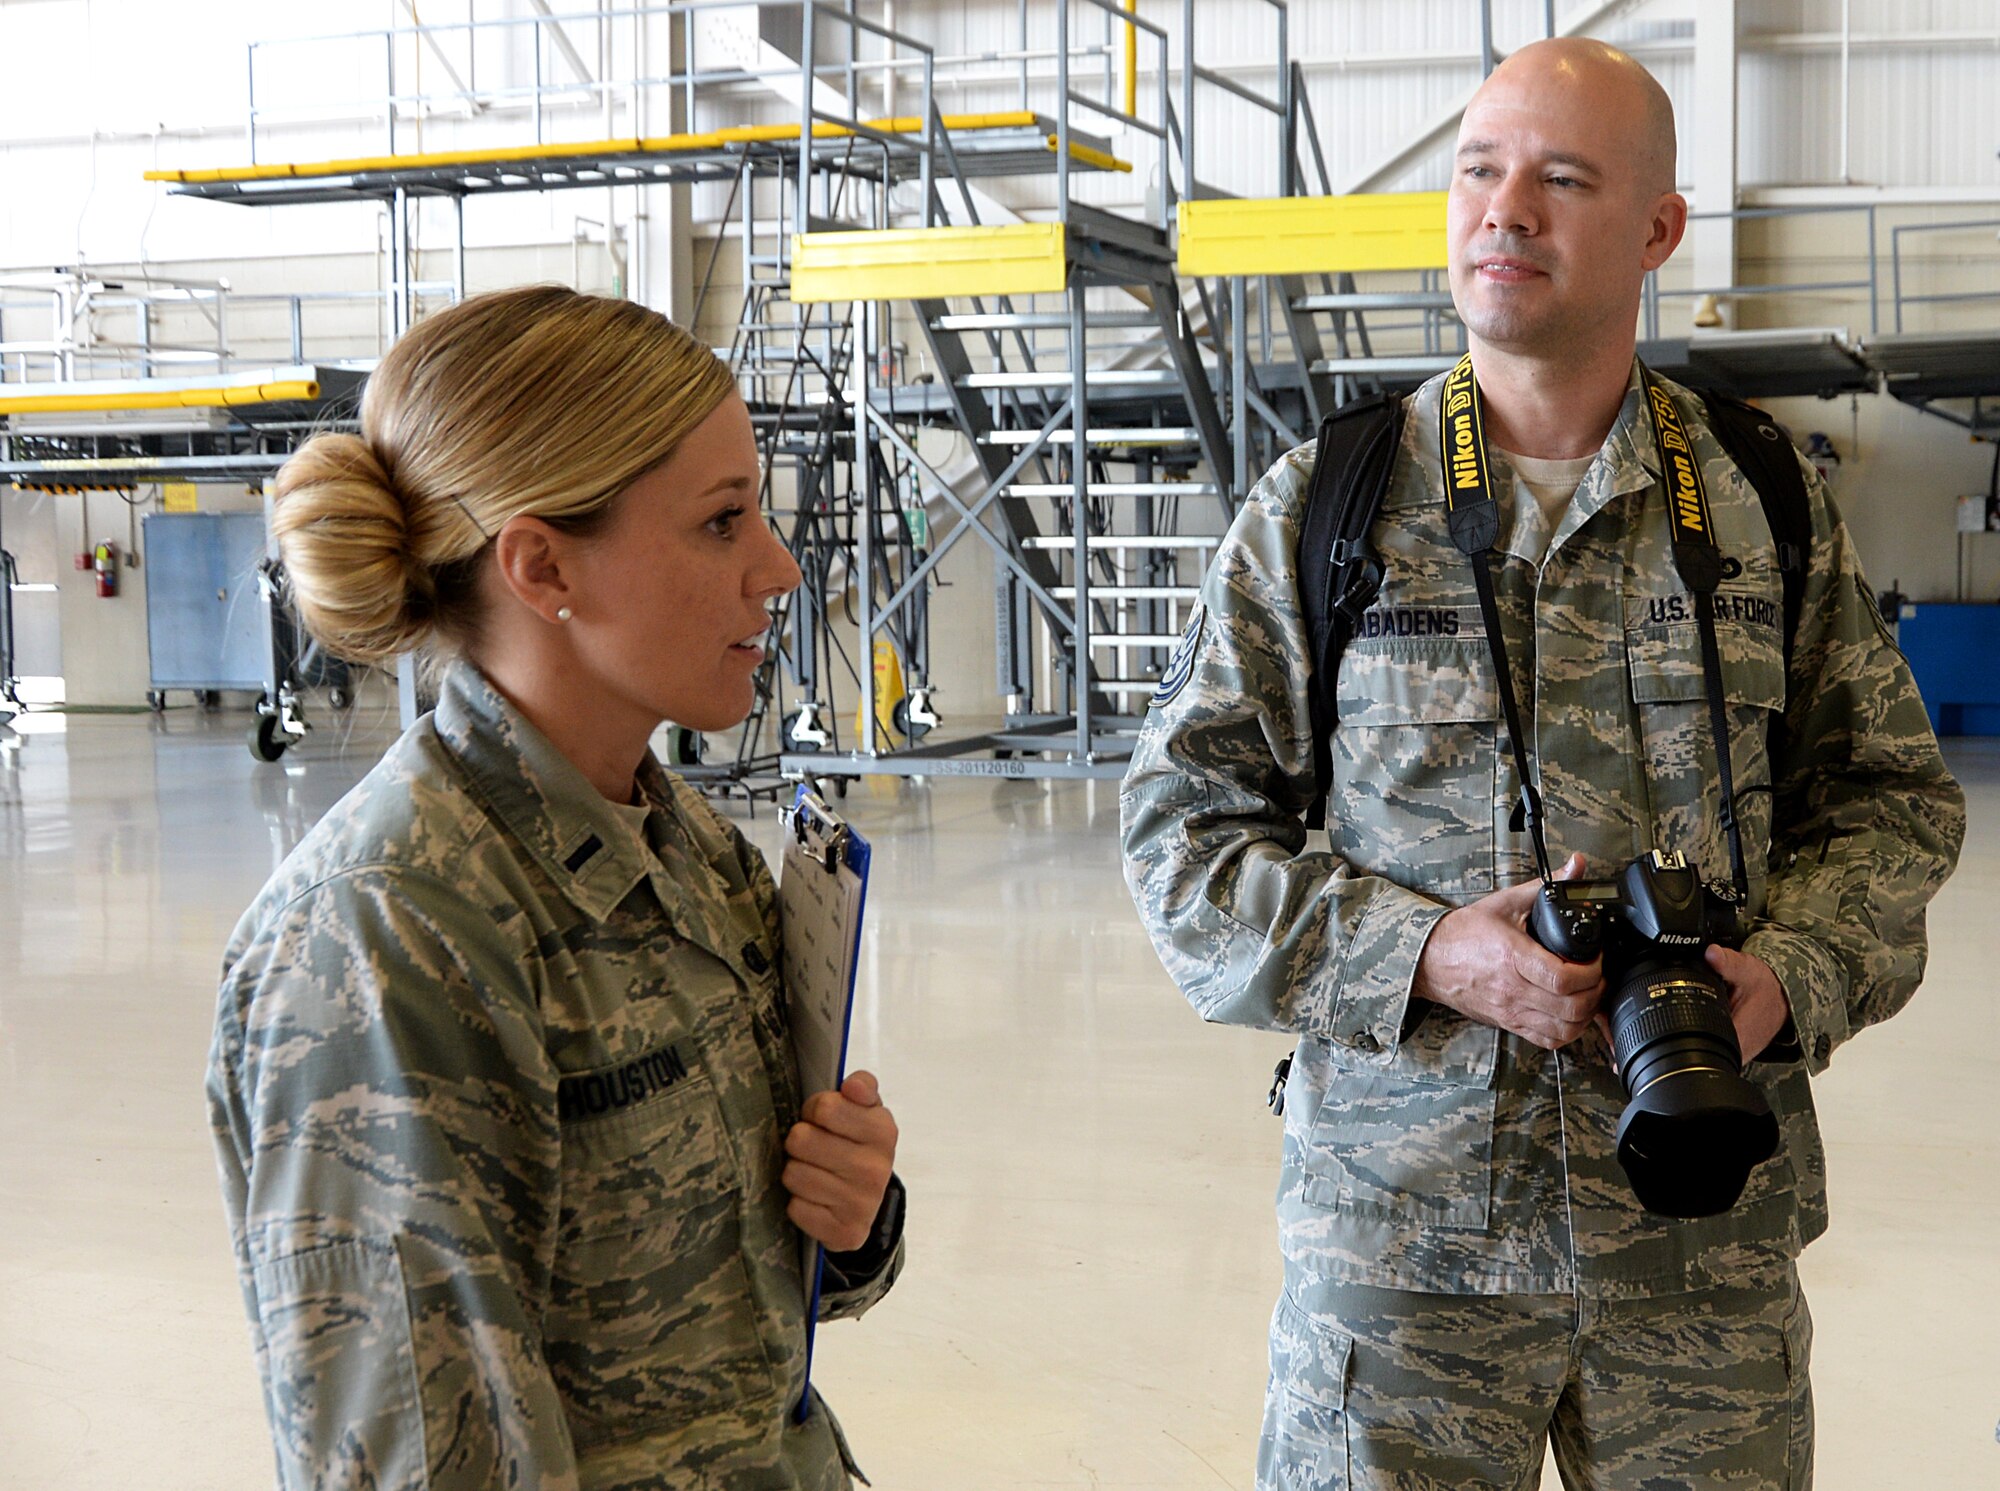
(217, 618)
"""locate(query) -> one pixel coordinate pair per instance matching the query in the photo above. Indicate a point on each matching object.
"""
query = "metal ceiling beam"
(562, 41)
(437, 51)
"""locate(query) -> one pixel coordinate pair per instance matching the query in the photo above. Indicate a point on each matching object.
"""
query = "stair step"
(1423, 365)
(1376, 300)
(1093, 378)
(1039, 320)
(1114, 489)
(1131, 592)
(1123, 541)
(1104, 435)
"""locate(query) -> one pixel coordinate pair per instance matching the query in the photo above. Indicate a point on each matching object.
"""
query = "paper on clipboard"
(820, 894)
(822, 891)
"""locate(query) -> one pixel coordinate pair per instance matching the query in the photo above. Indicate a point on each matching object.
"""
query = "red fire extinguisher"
(106, 565)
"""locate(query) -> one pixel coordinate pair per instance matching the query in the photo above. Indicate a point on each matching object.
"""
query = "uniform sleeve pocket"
(342, 1393)
(1305, 1442)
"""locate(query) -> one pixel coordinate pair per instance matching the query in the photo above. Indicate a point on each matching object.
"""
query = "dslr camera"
(1693, 1126)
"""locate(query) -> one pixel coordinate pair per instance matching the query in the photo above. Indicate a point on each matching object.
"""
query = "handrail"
(1652, 294)
(925, 145)
(1067, 97)
(1281, 107)
(1896, 264)
(543, 91)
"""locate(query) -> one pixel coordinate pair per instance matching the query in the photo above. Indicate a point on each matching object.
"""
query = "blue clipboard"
(823, 896)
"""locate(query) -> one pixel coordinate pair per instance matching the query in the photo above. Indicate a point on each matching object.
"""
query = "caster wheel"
(266, 744)
(156, 700)
(840, 786)
(211, 700)
(900, 718)
(685, 747)
(339, 698)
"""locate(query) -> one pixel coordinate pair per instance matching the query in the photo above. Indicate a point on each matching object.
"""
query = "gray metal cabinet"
(206, 624)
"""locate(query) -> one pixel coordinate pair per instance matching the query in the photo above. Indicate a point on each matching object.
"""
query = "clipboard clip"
(819, 832)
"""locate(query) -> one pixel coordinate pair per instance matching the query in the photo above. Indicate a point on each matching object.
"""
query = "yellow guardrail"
(76, 399)
(929, 263)
(716, 139)
(1313, 235)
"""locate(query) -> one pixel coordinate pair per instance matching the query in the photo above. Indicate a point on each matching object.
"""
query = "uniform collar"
(546, 803)
(1627, 463)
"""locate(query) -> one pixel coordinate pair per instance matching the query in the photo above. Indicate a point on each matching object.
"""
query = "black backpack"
(1340, 573)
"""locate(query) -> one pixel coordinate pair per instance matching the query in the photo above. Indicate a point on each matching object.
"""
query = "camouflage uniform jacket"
(498, 1099)
(1425, 1151)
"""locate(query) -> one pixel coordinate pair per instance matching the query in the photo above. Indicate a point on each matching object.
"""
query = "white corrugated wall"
(1923, 79)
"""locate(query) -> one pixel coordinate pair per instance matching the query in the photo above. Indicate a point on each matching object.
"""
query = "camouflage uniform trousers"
(1387, 1390)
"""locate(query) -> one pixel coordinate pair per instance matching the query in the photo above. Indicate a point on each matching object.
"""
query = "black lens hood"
(1689, 1141)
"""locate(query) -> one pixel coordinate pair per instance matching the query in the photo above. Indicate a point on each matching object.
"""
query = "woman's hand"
(842, 1151)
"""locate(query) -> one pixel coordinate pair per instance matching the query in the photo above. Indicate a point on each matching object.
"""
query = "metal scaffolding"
(1115, 381)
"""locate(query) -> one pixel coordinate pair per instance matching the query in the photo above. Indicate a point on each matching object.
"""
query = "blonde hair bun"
(536, 401)
(345, 537)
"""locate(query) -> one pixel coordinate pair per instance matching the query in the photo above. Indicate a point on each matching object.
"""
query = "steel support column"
(1714, 153)
(1079, 468)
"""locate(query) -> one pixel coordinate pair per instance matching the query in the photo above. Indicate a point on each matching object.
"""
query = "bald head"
(1562, 201)
(1603, 83)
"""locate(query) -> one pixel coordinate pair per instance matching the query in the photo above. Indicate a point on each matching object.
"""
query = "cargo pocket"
(1411, 1141)
(1415, 763)
(1670, 698)
(651, 1319)
(1305, 1421)
(343, 1382)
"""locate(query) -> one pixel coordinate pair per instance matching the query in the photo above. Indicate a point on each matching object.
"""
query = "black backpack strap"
(1763, 452)
(1339, 571)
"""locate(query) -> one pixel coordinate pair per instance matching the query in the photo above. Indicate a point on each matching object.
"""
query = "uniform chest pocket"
(1670, 699)
(1416, 763)
(651, 1317)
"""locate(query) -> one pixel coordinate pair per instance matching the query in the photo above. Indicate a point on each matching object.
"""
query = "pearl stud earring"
(563, 613)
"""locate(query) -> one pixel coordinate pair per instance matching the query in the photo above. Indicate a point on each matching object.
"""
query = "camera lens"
(1693, 1127)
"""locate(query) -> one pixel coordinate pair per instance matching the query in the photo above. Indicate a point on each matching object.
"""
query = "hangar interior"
(1022, 296)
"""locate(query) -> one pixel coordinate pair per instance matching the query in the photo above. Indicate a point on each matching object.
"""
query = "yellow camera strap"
(1475, 528)
(1474, 518)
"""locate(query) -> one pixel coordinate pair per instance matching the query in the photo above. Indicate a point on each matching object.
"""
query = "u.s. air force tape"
(1181, 667)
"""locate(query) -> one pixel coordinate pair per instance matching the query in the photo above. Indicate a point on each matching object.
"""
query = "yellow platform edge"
(747, 134)
(929, 263)
(1313, 235)
(175, 398)
(1096, 158)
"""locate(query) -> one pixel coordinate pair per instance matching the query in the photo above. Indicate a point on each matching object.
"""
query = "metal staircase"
(1098, 416)
(1116, 382)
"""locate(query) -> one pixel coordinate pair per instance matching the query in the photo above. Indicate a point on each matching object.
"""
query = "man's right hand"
(1480, 961)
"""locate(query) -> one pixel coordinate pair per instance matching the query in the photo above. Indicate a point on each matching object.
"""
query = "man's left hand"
(1757, 1000)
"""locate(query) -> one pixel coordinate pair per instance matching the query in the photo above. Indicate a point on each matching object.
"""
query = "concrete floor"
(1091, 1254)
